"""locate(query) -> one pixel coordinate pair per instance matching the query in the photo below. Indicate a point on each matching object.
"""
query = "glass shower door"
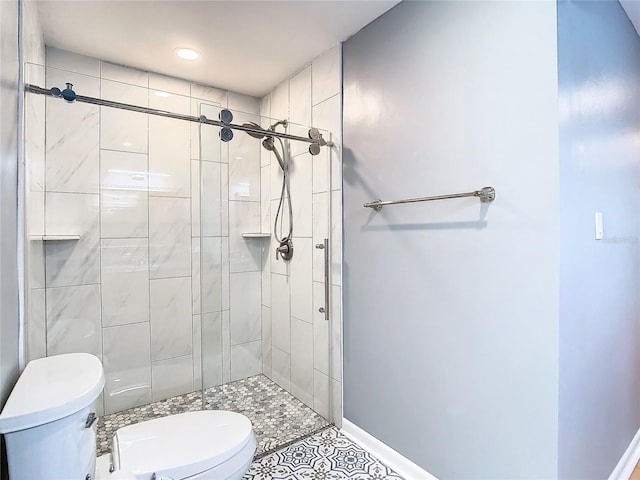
(264, 340)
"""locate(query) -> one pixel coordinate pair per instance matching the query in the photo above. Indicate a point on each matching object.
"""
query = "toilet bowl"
(49, 427)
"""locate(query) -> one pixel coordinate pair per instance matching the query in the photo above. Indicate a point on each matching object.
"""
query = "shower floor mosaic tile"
(278, 417)
(327, 455)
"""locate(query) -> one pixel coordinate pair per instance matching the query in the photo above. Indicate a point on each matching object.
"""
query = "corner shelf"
(256, 235)
(55, 238)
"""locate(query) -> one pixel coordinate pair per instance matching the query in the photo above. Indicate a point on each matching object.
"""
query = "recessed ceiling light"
(187, 54)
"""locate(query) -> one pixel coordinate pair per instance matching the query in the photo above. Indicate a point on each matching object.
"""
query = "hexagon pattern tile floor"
(278, 417)
(327, 455)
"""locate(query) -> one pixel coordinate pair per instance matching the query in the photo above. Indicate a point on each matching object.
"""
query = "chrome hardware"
(225, 116)
(314, 149)
(56, 92)
(327, 284)
(88, 477)
(91, 418)
(486, 195)
(285, 250)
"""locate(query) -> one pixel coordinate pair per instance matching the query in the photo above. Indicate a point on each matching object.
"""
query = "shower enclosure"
(151, 245)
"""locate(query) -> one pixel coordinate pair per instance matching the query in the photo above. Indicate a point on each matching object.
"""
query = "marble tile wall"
(160, 286)
(301, 351)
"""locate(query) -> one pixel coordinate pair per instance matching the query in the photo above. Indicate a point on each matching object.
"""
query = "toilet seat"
(186, 445)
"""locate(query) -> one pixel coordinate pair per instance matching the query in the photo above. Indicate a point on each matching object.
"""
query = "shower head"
(257, 127)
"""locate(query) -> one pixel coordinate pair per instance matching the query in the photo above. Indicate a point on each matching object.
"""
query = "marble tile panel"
(246, 360)
(195, 198)
(212, 349)
(239, 103)
(205, 139)
(167, 84)
(302, 361)
(302, 195)
(119, 73)
(300, 109)
(72, 153)
(125, 281)
(245, 307)
(265, 121)
(321, 394)
(336, 403)
(244, 163)
(267, 251)
(36, 327)
(320, 232)
(73, 62)
(265, 199)
(322, 170)
(209, 94)
(320, 331)
(301, 280)
(171, 322)
(226, 347)
(169, 102)
(336, 333)
(211, 274)
(328, 117)
(169, 157)
(281, 368)
(210, 199)
(170, 377)
(280, 314)
(195, 275)
(37, 263)
(278, 265)
(121, 129)
(169, 237)
(127, 366)
(73, 320)
(225, 274)
(34, 146)
(266, 340)
(124, 200)
(280, 101)
(197, 351)
(326, 75)
(73, 262)
(336, 237)
(224, 195)
(275, 186)
(244, 253)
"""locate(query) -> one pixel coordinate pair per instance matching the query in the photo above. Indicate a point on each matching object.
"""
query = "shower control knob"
(314, 133)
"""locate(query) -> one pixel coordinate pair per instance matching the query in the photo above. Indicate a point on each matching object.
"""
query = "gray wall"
(451, 308)
(599, 87)
(9, 320)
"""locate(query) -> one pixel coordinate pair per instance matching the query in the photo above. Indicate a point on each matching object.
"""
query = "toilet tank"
(47, 420)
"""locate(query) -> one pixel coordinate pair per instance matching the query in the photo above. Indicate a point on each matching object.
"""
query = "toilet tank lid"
(52, 388)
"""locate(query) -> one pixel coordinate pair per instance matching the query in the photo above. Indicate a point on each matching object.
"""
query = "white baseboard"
(387, 455)
(629, 460)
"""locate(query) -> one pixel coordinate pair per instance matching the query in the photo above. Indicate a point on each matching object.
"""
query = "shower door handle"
(325, 246)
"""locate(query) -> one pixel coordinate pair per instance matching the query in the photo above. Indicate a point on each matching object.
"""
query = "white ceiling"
(245, 46)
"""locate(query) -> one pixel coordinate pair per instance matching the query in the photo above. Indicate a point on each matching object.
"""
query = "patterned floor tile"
(278, 417)
(327, 455)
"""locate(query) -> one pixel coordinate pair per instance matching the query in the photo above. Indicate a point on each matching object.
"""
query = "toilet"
(50, 432)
